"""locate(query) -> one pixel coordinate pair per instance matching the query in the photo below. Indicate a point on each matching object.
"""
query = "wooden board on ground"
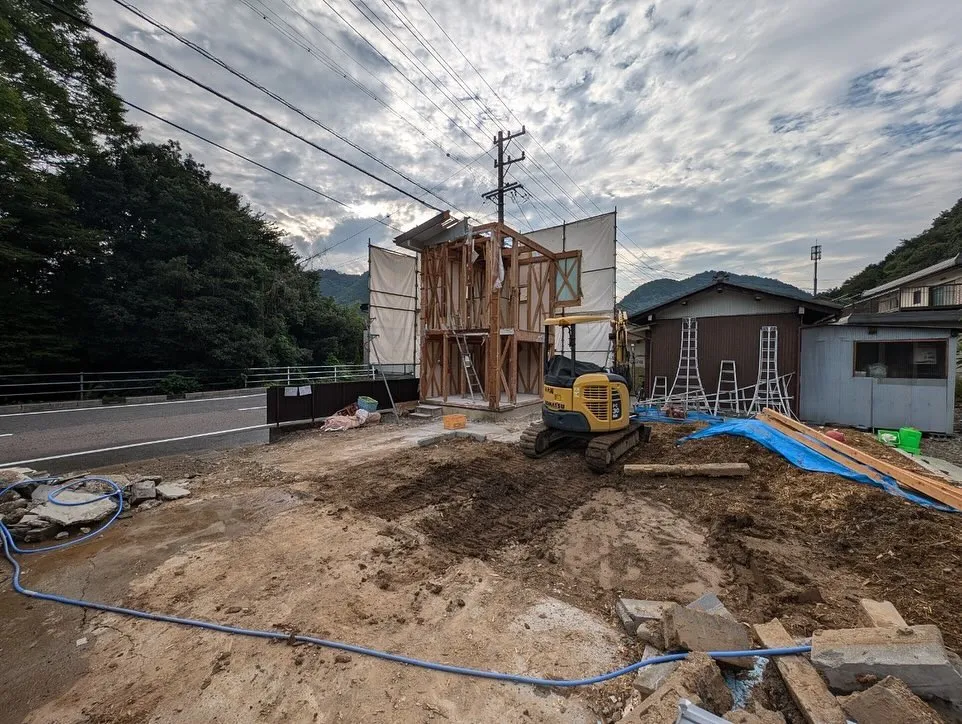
(710, 470)
(935, 489)
(808, 691)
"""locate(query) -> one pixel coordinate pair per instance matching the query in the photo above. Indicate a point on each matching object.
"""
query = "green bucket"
(910, 439)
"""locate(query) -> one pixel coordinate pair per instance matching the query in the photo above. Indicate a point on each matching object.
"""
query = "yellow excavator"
(584, 402)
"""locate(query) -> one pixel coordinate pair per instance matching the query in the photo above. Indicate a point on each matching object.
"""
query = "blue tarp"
(805, 458)
(650, 413)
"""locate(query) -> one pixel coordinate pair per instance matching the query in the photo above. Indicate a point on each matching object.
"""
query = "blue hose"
(10, 547)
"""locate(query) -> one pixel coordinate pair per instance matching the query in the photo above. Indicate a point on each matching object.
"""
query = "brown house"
(730, 317)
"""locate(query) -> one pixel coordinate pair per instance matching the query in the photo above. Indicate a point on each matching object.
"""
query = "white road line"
(125, 407)
(5, 434)
(245, 409)
(133, 444)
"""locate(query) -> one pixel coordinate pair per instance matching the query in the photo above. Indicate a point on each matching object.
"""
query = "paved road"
(61, 440)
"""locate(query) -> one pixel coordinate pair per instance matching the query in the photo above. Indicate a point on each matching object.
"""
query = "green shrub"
(175, 384)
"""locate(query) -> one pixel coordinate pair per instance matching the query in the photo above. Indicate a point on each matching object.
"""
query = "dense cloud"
(728, 134)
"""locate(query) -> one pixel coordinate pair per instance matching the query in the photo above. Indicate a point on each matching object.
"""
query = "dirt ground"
(465, 553)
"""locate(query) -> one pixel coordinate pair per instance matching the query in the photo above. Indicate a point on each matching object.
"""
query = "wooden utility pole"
(501, 141)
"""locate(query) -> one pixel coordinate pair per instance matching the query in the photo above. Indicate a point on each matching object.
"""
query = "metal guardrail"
(58, 386)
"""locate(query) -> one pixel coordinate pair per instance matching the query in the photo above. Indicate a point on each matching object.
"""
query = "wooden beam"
(445, 371)
(821, 449)
(935, 489)
(711, 470)
(806, 687)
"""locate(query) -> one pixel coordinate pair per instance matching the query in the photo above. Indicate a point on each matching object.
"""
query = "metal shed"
(875, 371)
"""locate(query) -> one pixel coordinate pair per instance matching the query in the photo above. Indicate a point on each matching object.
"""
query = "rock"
(84, 531)
(888, 702)
(8, 476)
(12, 505)
(342, 658)
(697, 679)
(632, 612)
(168, 491)
(61, 535)
(148, 479)
(661, 707)
(650, 678)
(693, 630)
(40, 531)
(15, 516)
(759, 715)
(233, 609)
(710, 603)
(40, 492)
(435, 588)
(93, 511)
(881, 614)
(914, 654)
(9, 496)
(142, 490)
(100, 487)
(650, 633)
(148, 504)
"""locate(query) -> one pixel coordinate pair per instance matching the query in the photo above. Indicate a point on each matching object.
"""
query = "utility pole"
(501, 141)
(816, 255)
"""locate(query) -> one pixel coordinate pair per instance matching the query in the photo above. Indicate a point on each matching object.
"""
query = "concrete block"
(632, 612)
(692, 630)
(650, 678)
(881, 614)
(142, 490)
(915, 654)
(759, 715)
(435, 439)
(650, 633)
(888, 702)
(91, 511)
(471, 435)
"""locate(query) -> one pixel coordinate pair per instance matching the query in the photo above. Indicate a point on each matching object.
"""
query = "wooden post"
(492, 372)
(445, 372)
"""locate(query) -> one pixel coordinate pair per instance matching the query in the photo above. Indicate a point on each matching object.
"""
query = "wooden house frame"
(485, 290)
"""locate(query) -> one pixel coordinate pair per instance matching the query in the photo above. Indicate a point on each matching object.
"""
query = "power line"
(237, 104)
(243, 157)
(271, 94)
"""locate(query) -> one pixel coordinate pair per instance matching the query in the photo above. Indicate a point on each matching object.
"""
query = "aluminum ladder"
(687, 386)
(728, 386)
(768, 388)
(470, 371)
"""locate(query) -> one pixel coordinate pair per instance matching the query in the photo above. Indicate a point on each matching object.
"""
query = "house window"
(567, 285)
(944, 296)
(917, 296)
(901, 360)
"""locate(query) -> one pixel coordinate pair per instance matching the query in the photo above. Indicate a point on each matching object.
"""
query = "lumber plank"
(827, 452)
(806, 687)
(935, 489)
(711, 470)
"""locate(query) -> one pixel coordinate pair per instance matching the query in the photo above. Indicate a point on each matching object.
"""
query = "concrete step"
(430, 410)
(421, 416)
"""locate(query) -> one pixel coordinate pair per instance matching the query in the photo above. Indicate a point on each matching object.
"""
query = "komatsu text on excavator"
(584, 402)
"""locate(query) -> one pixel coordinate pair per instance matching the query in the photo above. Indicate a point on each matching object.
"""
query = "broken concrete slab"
(40, 492)
(914, 654)
(881, 614)
(710, 603)
(8, 476)
(92, 510)
(759, 715)
(693, 630)
(805, 686)
(142, 490)
(632, 611)
(700, 675)
(650, 678)
(168, 491)
(888, 702)
(661, 707)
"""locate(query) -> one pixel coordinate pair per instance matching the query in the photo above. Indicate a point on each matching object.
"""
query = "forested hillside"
(348, 289)
(940, 241)
(117, 253)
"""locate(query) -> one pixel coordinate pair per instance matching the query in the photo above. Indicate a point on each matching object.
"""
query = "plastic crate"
(367, 403)
(454, 422)
(910, 439)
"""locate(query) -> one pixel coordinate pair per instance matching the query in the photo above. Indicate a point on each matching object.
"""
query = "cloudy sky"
(729, 134)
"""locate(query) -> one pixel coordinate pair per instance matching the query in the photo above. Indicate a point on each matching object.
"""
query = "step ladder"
(769, 387)
(659, 390)
(687, 387)
(728, 387)
(470, 371)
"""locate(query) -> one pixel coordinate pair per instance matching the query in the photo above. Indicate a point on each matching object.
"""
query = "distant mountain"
(656, 291)
(347, 289)
(940, 241)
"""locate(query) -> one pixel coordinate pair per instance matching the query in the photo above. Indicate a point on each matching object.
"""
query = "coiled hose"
(10, 547)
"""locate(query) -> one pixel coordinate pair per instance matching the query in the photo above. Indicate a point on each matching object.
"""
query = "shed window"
(901, 360)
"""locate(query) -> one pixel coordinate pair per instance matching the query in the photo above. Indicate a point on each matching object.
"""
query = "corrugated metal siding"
(729, 302)
(720, 338)
(832, 394)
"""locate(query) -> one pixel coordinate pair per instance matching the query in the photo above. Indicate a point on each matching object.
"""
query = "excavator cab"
(584, 402)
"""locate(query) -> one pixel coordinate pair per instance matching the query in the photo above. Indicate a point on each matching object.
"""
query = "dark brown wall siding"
(721, 338)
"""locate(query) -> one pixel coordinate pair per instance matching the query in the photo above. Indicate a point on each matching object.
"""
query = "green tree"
(57, 108)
